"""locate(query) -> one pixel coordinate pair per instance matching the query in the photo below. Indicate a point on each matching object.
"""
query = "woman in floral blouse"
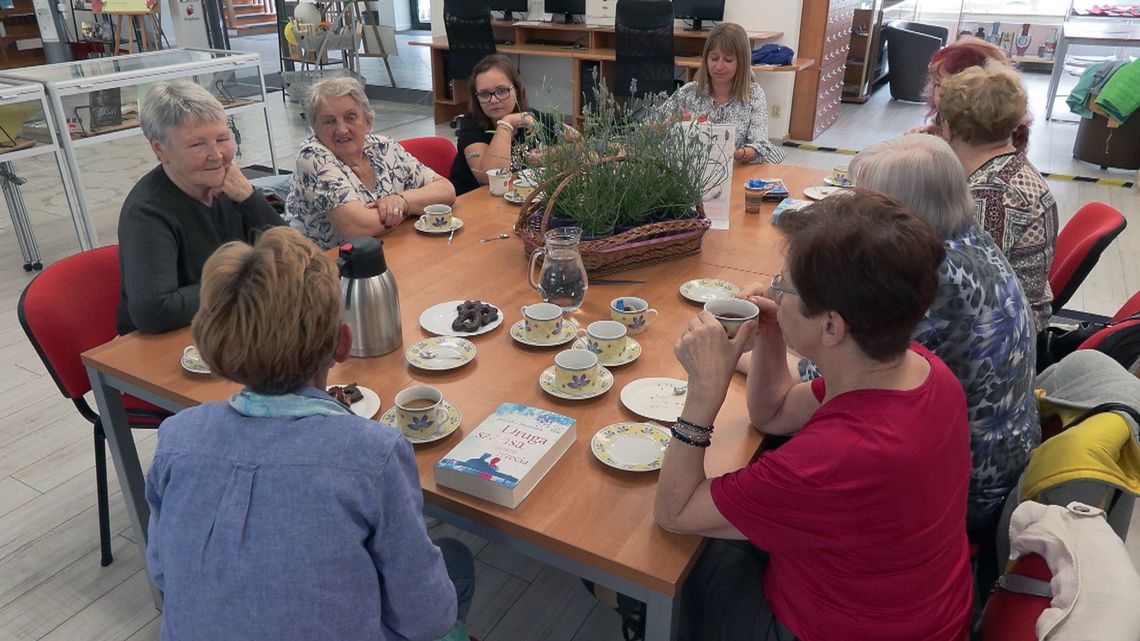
(725, 93)
(350, 182)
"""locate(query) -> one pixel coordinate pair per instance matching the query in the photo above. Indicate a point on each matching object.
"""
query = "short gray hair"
(169, 105)
(336, 87)
(922, 172)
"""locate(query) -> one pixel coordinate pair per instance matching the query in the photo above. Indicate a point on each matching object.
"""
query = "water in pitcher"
(562, 279)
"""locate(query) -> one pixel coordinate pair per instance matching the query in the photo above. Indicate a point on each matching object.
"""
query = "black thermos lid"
(362, 257)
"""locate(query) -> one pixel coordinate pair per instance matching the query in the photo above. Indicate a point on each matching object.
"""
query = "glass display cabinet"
(96, 101)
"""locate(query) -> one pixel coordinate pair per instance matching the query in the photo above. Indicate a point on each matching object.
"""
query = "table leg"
(1055, 77)
(126, 458)
(661, 614)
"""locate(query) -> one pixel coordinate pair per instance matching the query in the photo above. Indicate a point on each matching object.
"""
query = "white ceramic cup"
(418, 409)
(542, 322)
(732, 313)
(524, 185)
(606, 338)
(437, 216)
(576, 371)
(497, 181)
(840, 177)
(633, 312)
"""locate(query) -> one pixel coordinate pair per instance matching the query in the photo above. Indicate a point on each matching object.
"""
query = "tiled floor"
(51, 586)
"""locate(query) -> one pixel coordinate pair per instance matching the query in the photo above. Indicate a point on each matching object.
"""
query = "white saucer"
(566, 334)
(816, 192)
(421, 225)
(605, 382)
(831, 181)
(633, 447)
(451, 353)
(654, 398)
(702, 290)
(628, 355)
(367, 406)
(437, 319)
(512, 196)
(192, 361)
(449, 424)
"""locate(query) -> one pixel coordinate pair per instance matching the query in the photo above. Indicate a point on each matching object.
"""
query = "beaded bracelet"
(700, 429)
(509, 126)
(689, 440)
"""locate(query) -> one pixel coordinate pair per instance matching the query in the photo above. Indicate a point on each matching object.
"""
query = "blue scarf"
(254, 405)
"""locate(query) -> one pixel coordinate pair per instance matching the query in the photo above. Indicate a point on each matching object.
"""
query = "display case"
(97, 100)
(25, 131)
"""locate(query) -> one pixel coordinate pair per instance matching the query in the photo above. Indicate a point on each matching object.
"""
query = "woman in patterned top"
(979, 324)
(981, 108)
(350, 182)
(726, 94)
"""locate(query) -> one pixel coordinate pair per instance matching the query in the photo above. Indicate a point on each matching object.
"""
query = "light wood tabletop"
(597, 517)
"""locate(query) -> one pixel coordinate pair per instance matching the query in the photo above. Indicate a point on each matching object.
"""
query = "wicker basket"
(637, 247)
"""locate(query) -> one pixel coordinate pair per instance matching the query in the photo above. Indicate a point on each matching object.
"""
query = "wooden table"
(1107, 34)
(583, 517)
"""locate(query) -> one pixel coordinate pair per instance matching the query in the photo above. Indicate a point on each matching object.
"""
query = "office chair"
(644, 47)
(436, 152)
(910, 46)
(1079, 246)
(469, 36)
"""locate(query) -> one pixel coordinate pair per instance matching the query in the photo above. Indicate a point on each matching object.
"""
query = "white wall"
(402, 10)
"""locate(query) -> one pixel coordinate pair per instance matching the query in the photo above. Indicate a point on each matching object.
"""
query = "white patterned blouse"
(750, 118)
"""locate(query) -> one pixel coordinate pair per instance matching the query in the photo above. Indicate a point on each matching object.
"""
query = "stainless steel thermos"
(371, 301)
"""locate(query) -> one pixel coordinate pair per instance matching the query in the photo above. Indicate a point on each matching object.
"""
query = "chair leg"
(101, 496)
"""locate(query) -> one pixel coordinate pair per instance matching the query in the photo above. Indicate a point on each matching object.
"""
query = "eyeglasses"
(778, 289)
(500, 93)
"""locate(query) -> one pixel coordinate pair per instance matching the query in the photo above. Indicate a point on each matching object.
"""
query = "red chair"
(1121, 338)
(434, 151)
(1079, 246)
(66, 310)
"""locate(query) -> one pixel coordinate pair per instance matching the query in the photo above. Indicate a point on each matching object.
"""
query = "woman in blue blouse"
(726, 94)
(279, 514)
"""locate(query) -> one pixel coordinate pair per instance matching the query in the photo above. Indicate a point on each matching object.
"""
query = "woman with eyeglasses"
(497, 118)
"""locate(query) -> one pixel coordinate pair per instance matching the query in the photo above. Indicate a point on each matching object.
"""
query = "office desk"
(583, 517)
(1086, 33)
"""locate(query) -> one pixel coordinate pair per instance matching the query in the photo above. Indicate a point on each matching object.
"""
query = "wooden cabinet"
(825, 35)
(866, 60)
(20, 44)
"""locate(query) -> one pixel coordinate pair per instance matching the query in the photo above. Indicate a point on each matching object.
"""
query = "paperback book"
(506, 455)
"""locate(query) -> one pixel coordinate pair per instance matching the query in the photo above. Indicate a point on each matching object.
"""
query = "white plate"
(633, 447)
(512, 196)
(702, 290)
(568, 333)
(367, 406)
(421, 225)
(451, 353)
(605, 382)
(819, 193)
(192, 361)
(449, 424)
(628, 355)
(831, 181)
(437, 319)
(654, 398)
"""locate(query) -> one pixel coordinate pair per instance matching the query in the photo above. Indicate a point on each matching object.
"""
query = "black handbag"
(1055, 343)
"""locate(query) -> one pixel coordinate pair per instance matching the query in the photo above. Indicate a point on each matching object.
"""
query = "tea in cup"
(575, 371)
(633, 312)
(524, 186)
(497, 181)
(840, 177)
(418, 410)
(606, 338)
(542, 322)
(732, 313)
(437, 216)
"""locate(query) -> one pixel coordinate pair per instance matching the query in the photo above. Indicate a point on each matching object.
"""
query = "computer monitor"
(568, 8)
(697, 10)
(507, 6)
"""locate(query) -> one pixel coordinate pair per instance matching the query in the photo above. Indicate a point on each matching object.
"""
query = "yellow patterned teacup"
(437, 216)
(576, 371)
(606, 338)
(542, 322)
(633, 312)
(732, 313)
(418, 410)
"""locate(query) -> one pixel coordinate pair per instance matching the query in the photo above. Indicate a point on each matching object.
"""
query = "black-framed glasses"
(778, 289)
(500, 93)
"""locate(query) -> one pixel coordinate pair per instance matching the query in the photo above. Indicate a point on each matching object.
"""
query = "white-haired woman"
(184, 209)
(350, 182)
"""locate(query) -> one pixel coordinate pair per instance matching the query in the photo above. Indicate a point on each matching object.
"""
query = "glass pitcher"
(562, 279)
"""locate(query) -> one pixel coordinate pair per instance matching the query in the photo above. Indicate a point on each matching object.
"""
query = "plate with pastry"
(461, 318)
(359, 399)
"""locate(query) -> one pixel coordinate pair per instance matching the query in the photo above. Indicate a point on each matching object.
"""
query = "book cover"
(788, 204)
(106, 108)
(776, 190)
(507, 454)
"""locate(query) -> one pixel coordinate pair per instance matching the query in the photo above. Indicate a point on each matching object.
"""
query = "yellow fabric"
(1100, 448)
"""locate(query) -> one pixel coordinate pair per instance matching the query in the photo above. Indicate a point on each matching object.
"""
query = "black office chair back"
(644, 47)
(469, 36)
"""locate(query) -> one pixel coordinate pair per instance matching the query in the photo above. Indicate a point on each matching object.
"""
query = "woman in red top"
(854, 528)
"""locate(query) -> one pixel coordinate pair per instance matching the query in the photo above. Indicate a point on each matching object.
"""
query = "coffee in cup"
(606, 338)
(542, 322)
(732, 313)
(575, 371)
(497, 181)
(418, 410)
(437, 216)
(633, 312)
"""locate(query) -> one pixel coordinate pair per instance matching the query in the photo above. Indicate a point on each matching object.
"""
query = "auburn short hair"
(865, 257)
(269, 314)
